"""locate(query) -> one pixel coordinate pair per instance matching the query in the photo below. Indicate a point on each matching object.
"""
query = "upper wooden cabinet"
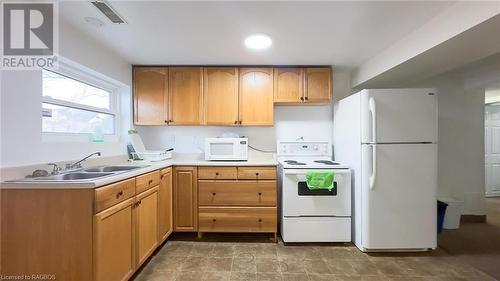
(318, 84)
(150, 95)
(288, 85)
(256, 96)
(220, 95)
(185, 91)
(225, 96)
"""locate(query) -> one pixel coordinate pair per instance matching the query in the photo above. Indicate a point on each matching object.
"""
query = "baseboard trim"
(473, 219)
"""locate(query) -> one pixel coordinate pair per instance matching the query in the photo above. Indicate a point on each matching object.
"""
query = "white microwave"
(226, 149)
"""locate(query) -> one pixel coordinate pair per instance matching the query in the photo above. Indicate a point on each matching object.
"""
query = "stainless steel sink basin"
(72, 176)
(112, 168)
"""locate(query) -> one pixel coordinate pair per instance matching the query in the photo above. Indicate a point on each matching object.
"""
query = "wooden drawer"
(217, 173)
(256, 173)
(236, 193)
(113, 194)
(146, 181)
(237, 219)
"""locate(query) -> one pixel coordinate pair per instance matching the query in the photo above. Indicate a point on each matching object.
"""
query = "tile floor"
(221, 261)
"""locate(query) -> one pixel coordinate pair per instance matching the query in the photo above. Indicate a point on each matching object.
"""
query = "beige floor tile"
(189, 276)
(295, 277)
(243, 276)
(244, 265)
(219, 264)
(202, 250)
(198, 264)
(267, 265)
(222, 251)
(267, 276)
(316, 266)
(364, 267)
(216, 276)
(292, 266)
(321, 277)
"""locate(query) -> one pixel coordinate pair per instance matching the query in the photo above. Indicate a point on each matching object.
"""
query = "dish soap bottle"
(96, 126)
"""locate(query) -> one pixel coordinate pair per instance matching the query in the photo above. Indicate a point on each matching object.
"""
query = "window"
(75, 107)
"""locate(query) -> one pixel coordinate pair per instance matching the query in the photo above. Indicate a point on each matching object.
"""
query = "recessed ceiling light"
(94, 21)
(258, 41)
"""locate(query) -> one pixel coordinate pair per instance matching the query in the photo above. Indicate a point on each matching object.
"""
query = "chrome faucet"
(55, 169)
(78, 164)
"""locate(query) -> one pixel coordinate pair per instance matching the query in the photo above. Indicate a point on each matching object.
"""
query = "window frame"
(92, 78)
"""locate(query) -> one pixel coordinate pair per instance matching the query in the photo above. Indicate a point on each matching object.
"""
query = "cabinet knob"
(236, 122)
(213, 194)
(239, 122)
(301, 98)
(260, 220)
(307, 98)
(256, 174)
(260, 193)
(216, 173)
(166, 121)
(150, 181)
(119, 194)
(214, 220)
(170, 121)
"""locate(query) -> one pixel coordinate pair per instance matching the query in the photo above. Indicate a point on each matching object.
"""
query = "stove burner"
(326, 162)
(293, 162)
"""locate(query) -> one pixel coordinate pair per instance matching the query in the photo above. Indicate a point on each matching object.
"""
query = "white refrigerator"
(389, 139)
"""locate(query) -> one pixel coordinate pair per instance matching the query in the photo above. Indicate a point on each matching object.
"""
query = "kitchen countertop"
(178, 159)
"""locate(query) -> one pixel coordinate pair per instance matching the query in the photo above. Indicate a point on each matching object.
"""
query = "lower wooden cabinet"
(114, 242)
(237, 219)
(146, 224)
(185, 199)
(165, 205)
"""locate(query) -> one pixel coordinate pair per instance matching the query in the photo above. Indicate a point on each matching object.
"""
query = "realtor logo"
(29, 35)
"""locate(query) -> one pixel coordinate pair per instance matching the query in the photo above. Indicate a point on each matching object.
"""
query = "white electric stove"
(312, 215)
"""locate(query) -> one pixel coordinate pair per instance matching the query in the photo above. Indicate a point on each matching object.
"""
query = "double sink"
(85, 174)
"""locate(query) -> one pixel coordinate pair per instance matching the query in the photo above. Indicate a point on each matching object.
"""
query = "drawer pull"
(260, 220)
(213, 194)
(119, 194)
(256, 174)
(216, 173)
(260, 193)
(214, 220)
(150, 181)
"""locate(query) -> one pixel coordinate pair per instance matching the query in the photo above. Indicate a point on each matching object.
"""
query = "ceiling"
(343, 34)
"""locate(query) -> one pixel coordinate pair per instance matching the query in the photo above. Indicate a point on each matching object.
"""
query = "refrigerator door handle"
(373, 176)
(373, 110)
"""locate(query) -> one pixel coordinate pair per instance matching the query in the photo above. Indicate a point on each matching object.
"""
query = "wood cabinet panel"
(257, 173)
(288, 85)
(165, 211)
(237, 219)
(185, 92)
(114, 243)
(318, 84)
(47, 231)
(146, 224)
(185, 199)
(256, 96)
(150, 95)
(217, 173)
(236, 193)
(220, 95)
(113, 194)
(147, 181)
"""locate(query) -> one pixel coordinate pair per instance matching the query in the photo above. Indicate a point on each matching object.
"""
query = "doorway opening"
(492, 141)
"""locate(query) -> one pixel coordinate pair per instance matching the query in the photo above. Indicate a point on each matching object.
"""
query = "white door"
(399, 115)
(492, 149)
(399, 209)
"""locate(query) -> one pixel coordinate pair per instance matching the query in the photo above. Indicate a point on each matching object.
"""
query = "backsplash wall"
(312, 122)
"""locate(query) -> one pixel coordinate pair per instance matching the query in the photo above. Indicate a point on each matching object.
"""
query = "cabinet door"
(220, 95)
(318, 84)
(185, 199)
(256, 96)
(288, 85)
(146, 224)
(165, 210)
(114, 243)
(150, 95)
(185, 95)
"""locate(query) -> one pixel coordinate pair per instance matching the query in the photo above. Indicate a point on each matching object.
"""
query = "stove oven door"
(299, 201)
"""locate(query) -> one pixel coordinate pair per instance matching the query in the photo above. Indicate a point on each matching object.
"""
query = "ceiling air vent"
(108, 11)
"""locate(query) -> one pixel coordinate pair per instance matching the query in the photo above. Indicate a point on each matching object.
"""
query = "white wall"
(461, 168)
(21, 98)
